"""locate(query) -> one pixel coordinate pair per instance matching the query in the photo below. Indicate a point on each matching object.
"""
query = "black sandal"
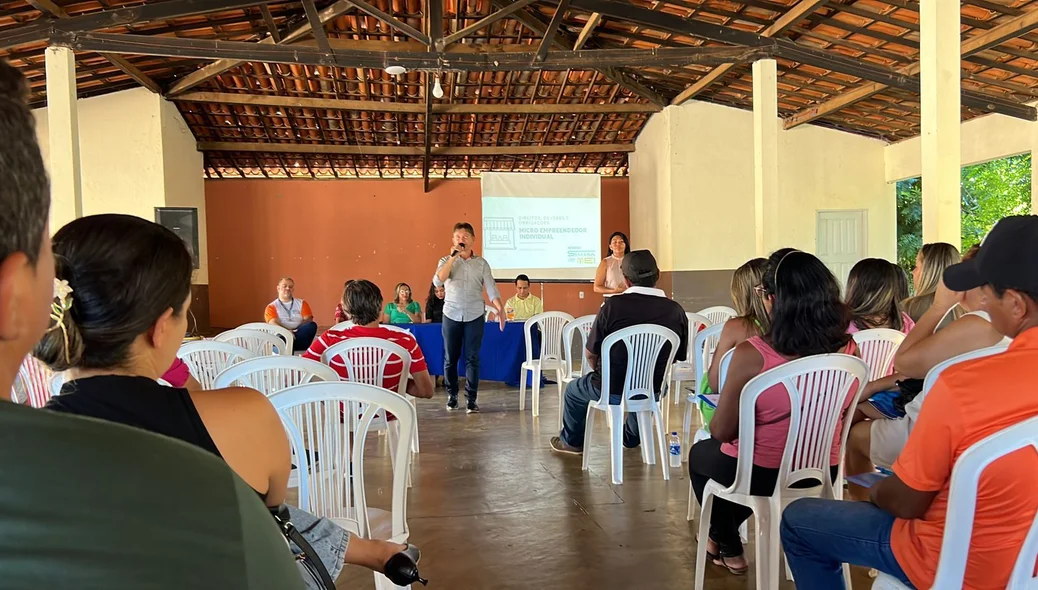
(733, 570)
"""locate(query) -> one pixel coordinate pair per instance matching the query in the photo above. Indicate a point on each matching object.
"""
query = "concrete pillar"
(941, 60)
(765, 155)
(66, 187)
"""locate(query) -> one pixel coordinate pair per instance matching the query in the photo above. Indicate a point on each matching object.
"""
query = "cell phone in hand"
(867, 480)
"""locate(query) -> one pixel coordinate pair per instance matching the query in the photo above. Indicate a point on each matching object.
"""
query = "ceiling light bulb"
(437, 89)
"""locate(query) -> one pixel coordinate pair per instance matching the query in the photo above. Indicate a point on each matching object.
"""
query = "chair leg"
(589, 424)
(662, 441)
(536, 398)
(763, 521)
(704, 534)
(522, 388)
(686, 432)
(665, 406)
(645, 431)
(691, 502)
(676, 392)
(561, 393)
(616, 441)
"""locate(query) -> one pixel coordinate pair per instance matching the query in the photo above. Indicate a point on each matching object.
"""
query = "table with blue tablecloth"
(500, 358)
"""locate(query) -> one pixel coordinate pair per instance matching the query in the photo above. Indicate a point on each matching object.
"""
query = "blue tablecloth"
(500, 358)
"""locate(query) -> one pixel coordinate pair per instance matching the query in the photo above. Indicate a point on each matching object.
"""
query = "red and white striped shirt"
(391, 379)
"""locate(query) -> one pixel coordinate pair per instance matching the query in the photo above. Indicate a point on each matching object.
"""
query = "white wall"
(698, 159)
(136, 154)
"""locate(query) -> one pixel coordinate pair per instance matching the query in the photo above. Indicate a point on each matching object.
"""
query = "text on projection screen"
(547, 226)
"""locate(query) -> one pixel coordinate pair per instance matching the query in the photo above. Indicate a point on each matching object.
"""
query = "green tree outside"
(990, 191)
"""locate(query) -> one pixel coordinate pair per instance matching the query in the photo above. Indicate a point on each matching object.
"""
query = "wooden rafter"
(553, 27)
(391, 21)
(585, 33)
(381, 150)
(220, 66)
(975, 44)
(347, 55)
(272, 28)
(316, 26)
(485, 22)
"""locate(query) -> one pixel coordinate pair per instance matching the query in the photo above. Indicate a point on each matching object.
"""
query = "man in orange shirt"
(900, 531)
(294, 314)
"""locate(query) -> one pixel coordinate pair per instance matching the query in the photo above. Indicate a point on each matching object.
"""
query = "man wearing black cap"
(900, 532)
(641, 303)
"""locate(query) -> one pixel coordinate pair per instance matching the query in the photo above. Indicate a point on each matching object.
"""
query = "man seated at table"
(363, 302)
(900, 531)
(524, 304)
(291, 313)
(641, 303)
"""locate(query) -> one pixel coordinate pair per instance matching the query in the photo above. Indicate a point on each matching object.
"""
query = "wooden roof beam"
(272, 28)
(355, 56)
(553, 27)
(408, 107)
(585, 33)
(485, 22)
(784, 23)
(381, 150)
(218, 67)
(991, 38)
(316, 26)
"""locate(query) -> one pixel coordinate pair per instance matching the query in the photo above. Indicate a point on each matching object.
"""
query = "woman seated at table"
(807, 318)
(434, 304)
(879, 441)
(402, 310)
(114, 343)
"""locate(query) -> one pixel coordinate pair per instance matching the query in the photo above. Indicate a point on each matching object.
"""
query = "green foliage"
(990, 191)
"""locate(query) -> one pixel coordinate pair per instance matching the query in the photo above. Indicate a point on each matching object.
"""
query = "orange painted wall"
(323, 232)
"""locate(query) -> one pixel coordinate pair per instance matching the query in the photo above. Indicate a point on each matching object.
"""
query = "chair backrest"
(645, 344)
(312, 416)
(491, 313)
(257, 342)
(343, 326)
(274, 330)
(551, 325)
(207, 358)
(818, 389)
(579, 327)
(34, 382)
(703, 347)
(696, 324)
(877, 347)
(271, 374)
(722, 370)
(913, 407)
(962, 505)
(366, 360)
(718, 314)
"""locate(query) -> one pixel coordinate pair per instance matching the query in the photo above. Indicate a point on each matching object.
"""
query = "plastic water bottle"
(675, 450)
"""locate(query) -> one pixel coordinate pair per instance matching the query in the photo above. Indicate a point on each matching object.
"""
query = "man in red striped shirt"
(363, 302)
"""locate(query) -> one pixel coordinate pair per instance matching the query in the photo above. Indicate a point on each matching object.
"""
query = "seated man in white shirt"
(291, 313)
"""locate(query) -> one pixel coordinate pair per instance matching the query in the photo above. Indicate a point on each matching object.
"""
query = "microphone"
(457, 250)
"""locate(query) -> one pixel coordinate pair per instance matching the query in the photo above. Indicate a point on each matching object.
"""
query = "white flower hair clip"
(59, 307)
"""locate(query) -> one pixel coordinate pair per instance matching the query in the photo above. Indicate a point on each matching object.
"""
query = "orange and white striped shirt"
(289, 314)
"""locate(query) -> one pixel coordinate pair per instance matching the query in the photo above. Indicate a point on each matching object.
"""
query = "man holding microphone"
(465, 276)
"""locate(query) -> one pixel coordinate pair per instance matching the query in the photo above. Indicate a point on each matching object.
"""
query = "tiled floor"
(493, 508)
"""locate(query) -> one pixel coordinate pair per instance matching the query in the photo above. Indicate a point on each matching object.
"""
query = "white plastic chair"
(579, 327)
(366, 360)
(342, 326)
(207, 358)
(644, 343)
(818, 389)
(271, 374)
(962, 506)
(275, 330)
(33, 383)
(686, 370)
(491, 313)
(718, 314)
(257, 342)
(551, 325)
(878, 346)
(333, 486)
(703, 434)
(702, 354)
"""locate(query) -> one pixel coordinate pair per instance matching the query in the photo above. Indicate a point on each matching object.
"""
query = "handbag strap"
(293, 534)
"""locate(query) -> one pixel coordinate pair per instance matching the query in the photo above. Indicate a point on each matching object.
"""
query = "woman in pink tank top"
(808, 318)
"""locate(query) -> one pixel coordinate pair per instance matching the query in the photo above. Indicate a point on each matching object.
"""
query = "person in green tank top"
(751, 321)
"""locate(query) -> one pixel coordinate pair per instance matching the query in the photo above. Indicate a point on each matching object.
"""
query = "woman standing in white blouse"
(609, 279)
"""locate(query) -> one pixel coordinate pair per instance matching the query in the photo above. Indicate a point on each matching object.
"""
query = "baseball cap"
(638, 265)
(1008, 258)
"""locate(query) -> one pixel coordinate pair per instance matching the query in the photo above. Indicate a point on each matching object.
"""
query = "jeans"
(580, 393)
(304, 336)
(820, 535)
(454, 335)
(706, 462)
